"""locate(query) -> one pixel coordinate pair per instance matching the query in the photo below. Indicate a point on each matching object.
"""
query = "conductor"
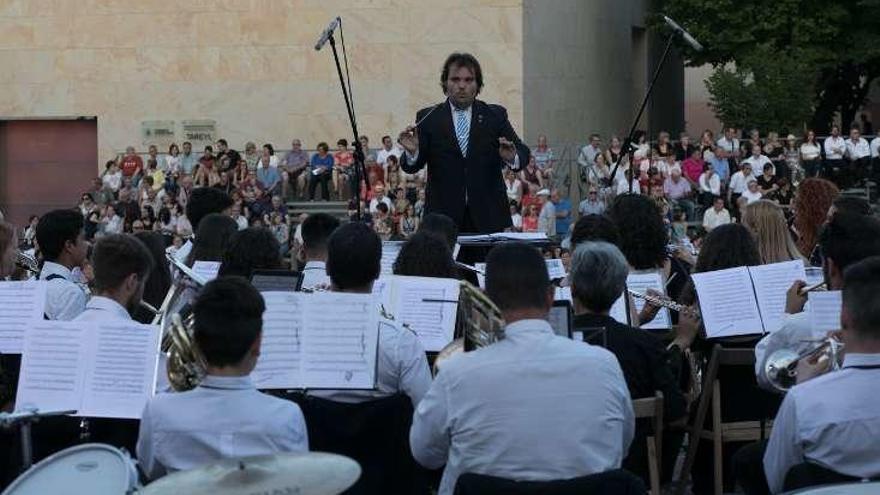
(465, 144)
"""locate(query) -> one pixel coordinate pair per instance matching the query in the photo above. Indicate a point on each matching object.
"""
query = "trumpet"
(665, 302)
(781, 366)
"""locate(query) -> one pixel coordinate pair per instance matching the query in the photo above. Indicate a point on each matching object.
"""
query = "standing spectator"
(679, 192)
(811, 155)
(342, 172)
(563, 213)
(515, 218)
(171, 163)
(758, 160)
(835, 148)
(543, 157)
(730, 144)
(513, 185)
(587, 155)
(296, 161)
(187, 160)
(131, 165)
(716, 215)
(320, 171)
(793, 158)
(683, 148)
(112, 178)
(693, 166)
(710, 186)
(592, 205)
(547, 218)
(858, 153)
(388, 149)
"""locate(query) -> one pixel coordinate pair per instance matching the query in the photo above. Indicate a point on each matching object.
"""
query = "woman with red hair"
(810, 207)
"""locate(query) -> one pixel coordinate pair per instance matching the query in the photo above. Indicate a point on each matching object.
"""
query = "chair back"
(652, 408)
(617, 482)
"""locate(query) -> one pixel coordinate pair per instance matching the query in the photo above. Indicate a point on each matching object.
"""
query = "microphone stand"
(359, 157)
(628, 143)
(24, 420)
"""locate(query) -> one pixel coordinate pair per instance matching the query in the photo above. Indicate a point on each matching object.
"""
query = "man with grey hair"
(598, 279)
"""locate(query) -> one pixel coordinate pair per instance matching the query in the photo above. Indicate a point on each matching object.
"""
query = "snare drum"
(92, 468)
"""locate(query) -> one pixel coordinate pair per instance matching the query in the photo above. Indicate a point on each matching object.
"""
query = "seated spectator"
(693, 166)
(379, 196)
(498, 425)
(513, 185)
(112, 177)
(531, 175)
(343, 159)
(716, 215)
(185, 430)
(710, 186)
(758, 160)
(425, 255)
(544, 159)
(767, 182)
(131, 165)
(516, 218)
(407, 223)
(752, 192)
(592, 205)
(530, 221)
(679, 192)
(382, 222)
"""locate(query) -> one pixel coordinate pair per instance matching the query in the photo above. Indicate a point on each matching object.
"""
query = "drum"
(92, 468)
(857, 488)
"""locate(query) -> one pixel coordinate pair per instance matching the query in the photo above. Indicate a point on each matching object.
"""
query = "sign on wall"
(158, 132)
(199, 132)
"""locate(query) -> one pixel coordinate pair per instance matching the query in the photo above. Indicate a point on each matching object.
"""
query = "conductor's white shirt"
(533, 406)
(224, 417)
(832, 420)
(65, 300)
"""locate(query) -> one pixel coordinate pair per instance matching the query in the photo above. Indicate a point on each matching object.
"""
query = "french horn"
(478, 323)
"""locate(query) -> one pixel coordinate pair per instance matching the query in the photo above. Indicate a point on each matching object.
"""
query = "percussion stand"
(24, 420)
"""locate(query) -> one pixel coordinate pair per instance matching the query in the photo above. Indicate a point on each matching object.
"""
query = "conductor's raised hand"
(506, 149)
(409, 139)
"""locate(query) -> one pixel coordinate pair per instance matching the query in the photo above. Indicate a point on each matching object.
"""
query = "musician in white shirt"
(532, 406)
(225, 416)
(121, 264)
(63, 246)
(834, 420)
(354, 252)
(316, 230)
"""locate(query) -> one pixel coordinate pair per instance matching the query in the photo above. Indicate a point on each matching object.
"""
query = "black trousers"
(324, 179)
(748, 468)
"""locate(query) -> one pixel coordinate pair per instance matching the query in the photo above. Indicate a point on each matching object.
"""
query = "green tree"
(835, 42)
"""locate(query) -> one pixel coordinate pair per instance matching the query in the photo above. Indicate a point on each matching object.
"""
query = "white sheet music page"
(340, 340)
(121, 375)
(279, 362)
(53, 366)
(390, 251)
(771, 284)
(824, 310)
(562, 294)
(416, 303)
(22, 303)
(727, 302)
(207, 269)
(618, 310)
(555, 268)
(641, 282)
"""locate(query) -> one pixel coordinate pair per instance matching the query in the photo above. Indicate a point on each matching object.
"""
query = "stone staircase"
(338, 209)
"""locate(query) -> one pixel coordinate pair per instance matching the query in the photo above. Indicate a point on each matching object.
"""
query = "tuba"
(781, 366)
(478, 323)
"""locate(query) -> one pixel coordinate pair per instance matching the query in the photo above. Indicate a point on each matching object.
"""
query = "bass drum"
(92, 468)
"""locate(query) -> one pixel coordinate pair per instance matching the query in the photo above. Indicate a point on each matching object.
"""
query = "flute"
(810, 288)
(664, 302)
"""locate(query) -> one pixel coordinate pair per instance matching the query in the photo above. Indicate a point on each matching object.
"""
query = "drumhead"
(91, 468)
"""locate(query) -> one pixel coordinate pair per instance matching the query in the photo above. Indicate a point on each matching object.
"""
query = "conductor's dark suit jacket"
(456, 182)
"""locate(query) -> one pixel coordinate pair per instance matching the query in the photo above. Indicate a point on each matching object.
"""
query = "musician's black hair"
(354, 252)
(462, 60)
(594, 228)
(205, 200)
(316, 230)
(861, 284)
(213, 235)
(425, 255)
(228, 319)
(726, 246)
(441, 226)
(852, 204)
(516, 277)
(159, 279)
(115, 257)
(849, 238)
(56, 228)
(251, 249)
(643, 236)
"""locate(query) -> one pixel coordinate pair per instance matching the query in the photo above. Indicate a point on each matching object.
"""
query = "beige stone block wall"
(247, 64)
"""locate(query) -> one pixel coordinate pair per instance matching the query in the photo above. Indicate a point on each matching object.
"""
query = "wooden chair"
(719, 432)
(653, 408)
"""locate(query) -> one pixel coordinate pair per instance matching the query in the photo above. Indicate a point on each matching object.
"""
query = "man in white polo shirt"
(858, 152)
(834, 147)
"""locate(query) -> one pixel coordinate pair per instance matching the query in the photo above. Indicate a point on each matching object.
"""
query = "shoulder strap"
(54, 276)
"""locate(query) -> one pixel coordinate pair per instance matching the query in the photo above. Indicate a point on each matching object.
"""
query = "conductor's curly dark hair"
(643, 237)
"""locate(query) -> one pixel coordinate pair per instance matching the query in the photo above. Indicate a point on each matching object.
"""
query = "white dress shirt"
(402, 367)
(100, 308)
(875, 147)
(832, 420)
(857, 149)
(731, 146)
(835, 147)
(383, 154)
(224, 417)
(739, 181)
(758, 163)
(533, 406)
(712, 218)
(810, 151)
(65, 300)
(314, 274)
(711, 185)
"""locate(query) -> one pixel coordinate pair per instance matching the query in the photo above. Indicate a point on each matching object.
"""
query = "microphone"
(327, 33)
(684, 34)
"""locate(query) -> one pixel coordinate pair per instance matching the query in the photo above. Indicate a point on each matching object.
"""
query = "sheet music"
(555, 269)
(207, 269)
(502, 236)
(727, 302)
(98, 369)
(341, 335)
(52, 366)
(22, 303)
(432, 322)
(390, 251)
(278, 365)
(618, 310)
(121, 377)
(825, 307)
(641, 282)
(562, 294)
(771, 284)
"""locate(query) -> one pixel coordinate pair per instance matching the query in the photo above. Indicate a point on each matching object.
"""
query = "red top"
(692, 168)
(131, 165)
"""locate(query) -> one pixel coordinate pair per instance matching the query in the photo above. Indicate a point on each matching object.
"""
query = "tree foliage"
(831, 48)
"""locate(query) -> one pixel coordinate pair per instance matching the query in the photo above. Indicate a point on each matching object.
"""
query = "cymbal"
(312, 473)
